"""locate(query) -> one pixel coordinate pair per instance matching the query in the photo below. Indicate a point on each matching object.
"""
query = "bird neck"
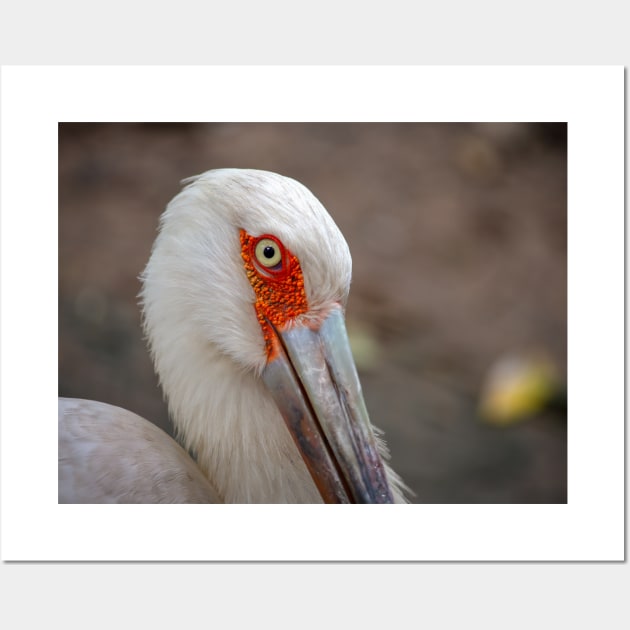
(226, 416)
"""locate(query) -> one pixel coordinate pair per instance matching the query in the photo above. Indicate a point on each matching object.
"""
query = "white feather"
(203, 333)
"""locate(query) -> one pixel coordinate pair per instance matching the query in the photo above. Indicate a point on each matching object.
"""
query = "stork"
(243, 303)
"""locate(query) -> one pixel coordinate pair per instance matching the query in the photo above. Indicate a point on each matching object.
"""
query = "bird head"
(251, 266)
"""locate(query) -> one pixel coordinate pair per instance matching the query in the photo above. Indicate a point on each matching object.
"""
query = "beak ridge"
(314, 381)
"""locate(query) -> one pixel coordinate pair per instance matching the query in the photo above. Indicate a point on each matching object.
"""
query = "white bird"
(243, 300)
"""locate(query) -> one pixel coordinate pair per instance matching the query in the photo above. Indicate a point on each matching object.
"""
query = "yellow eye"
(268, 252)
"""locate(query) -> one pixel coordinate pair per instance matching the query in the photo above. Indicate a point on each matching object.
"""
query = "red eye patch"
(276, 277)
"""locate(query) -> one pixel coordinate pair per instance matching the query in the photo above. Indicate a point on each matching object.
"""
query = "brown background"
(458, 236)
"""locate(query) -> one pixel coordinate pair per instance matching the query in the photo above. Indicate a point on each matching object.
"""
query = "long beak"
(314, 381)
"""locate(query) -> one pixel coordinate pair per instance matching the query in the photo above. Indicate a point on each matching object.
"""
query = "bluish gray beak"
(315, 384)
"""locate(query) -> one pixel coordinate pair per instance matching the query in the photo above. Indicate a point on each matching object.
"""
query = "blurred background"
(458, 306)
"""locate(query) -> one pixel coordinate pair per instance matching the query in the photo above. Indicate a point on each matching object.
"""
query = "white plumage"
(110, 455)
(210, 354)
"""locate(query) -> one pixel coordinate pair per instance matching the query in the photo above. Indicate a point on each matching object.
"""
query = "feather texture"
(209, 353)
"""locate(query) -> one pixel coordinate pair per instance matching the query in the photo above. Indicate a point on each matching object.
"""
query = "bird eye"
(268, 252)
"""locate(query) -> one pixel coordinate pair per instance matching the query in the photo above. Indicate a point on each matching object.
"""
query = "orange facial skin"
(280, 295)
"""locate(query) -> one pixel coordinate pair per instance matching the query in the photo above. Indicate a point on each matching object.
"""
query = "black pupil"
(269, 252)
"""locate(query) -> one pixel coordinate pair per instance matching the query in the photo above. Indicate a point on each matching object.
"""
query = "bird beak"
(313, 379)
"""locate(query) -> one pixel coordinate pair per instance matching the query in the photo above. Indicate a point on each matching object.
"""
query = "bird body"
(111, 455)
(242, 303)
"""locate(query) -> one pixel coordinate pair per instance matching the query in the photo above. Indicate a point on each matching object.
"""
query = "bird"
(243, 302)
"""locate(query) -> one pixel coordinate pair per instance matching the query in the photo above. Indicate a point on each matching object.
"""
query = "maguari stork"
(243, 304)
